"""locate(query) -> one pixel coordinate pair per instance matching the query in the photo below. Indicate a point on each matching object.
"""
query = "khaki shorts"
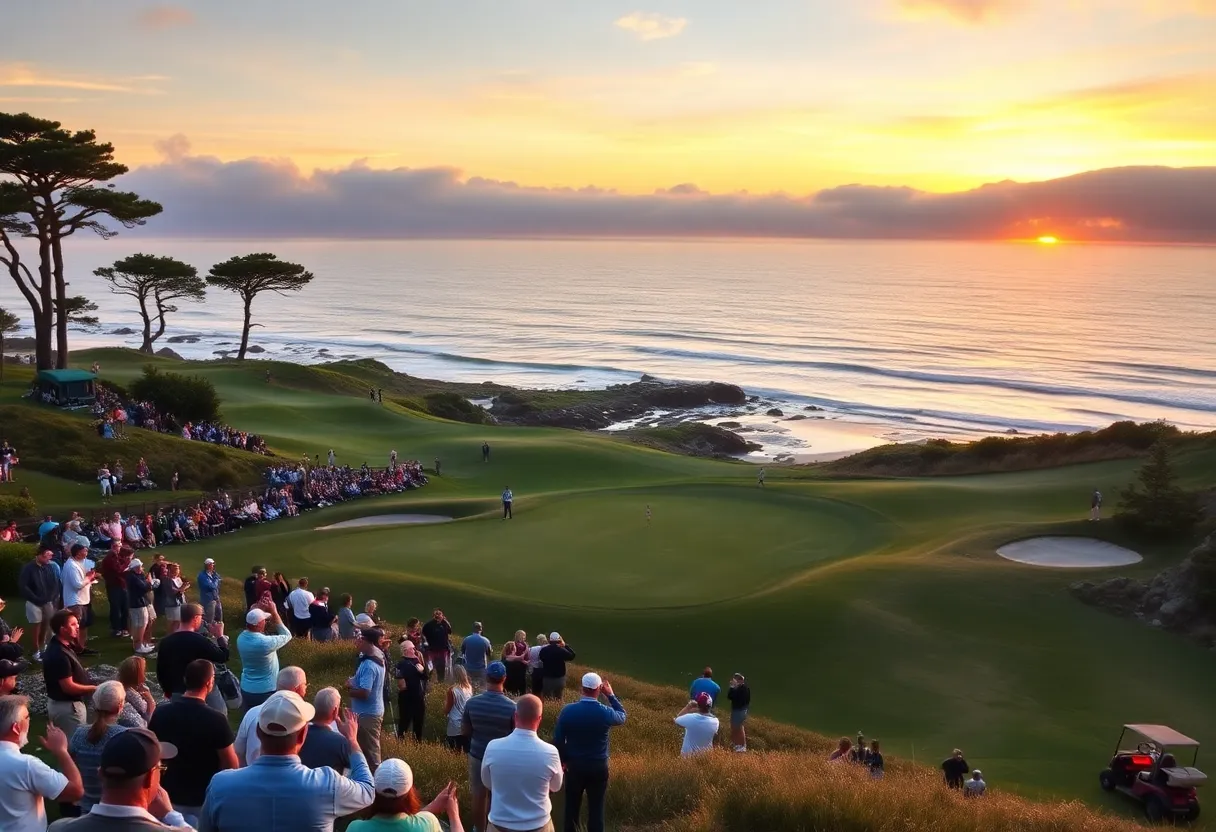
(36, 615)
(140, 617)
(173, 613)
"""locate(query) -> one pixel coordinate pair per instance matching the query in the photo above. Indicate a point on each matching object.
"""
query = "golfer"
(1095, 506)
(507, 499)
(760, 478)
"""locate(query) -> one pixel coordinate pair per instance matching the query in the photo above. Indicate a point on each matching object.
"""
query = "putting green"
(704, 544)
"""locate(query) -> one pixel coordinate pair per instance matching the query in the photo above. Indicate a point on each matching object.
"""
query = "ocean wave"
(1018, 385)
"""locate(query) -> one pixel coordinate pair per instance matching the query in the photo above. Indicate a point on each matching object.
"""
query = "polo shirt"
(705, 685)
(369, 676)
(699, 732)
(323, 746)
(476, 649)
(581, 732)
(488, 716)
(24, 782)
(299, 599)
(260, 659)
(59, 662)
(521, 770)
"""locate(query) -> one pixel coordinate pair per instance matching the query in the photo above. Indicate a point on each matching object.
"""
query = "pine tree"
(1159, 506)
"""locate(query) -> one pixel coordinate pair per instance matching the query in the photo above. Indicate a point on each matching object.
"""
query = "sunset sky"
(768, 95)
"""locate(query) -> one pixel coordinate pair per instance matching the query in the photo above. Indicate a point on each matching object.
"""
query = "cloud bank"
(204, 196)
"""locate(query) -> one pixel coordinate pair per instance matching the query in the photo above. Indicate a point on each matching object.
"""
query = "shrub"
(16, 507)
(13, 556)
(1204, 560)
(455, 407)
(186, 398)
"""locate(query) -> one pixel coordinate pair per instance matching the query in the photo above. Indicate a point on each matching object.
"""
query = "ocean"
(892, 341)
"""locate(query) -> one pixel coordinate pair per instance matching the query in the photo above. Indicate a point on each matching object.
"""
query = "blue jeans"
(592, 778)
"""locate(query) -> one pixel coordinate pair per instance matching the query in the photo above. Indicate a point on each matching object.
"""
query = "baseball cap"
(705, 700)
(133, 753)
(208, 562)
(496, 671)
(373, 634)
(284, 714)
(135, 563)
(13, 668)
(592, 681)
(555, 636)
(394, 778)
(364, 620)
(977, 771)
(256, 616)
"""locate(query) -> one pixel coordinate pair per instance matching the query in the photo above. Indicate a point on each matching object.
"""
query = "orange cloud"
(165, 17)
(652, 26)
(966, 11)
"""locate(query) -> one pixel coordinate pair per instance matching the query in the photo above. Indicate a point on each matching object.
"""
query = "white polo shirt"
(76, 587)
(521, 770)
(299, 599)
(24, 782)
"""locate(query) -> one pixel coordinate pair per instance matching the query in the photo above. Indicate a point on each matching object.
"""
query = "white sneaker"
(740, 747)
(37, 655)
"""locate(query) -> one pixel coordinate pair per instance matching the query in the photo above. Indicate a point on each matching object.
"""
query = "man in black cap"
(131, 796)
(9, 671)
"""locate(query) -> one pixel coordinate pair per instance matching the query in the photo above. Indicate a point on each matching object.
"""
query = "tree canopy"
(9, 323)
(253, 274)
(154, 282)
(52, 192)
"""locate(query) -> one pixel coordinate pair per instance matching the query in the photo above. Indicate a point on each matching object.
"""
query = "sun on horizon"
(1048, 240)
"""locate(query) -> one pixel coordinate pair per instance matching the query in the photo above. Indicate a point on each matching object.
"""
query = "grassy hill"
(873, 604)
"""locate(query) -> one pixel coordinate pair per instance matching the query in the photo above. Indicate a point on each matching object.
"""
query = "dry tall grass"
(783, 784)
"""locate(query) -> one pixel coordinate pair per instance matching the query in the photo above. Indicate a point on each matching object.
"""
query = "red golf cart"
(1151, 774)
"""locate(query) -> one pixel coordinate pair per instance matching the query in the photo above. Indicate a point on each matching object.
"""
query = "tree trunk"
(143, 313)
(44, 321)
(61, 293)
(240, 356)
(160, 323)
(1, 356)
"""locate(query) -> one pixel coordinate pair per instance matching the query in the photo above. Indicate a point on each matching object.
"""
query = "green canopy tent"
(66, 388)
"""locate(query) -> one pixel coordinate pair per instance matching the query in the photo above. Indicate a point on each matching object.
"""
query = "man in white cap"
(581, 738)
(247, 745)
(278, 793)
(259, 646)
(553, 657)
(521, 770)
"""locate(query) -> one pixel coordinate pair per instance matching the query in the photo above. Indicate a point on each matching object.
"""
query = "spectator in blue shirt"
(209, 593)
(366, 690)
(476, 650)
(278, 793)
(259, 648)
(581, 737)
(705, 684)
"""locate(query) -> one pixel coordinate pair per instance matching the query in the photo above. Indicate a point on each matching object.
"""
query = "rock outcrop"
(597, 409)
(1180, 599)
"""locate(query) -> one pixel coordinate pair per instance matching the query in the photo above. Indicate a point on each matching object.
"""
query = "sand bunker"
(1068, 553)
(388, 520)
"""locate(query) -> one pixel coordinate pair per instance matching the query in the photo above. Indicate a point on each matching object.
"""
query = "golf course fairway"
(851, 605)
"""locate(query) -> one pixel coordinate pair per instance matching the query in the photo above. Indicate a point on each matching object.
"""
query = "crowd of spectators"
(293, 763)
(113, 416)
